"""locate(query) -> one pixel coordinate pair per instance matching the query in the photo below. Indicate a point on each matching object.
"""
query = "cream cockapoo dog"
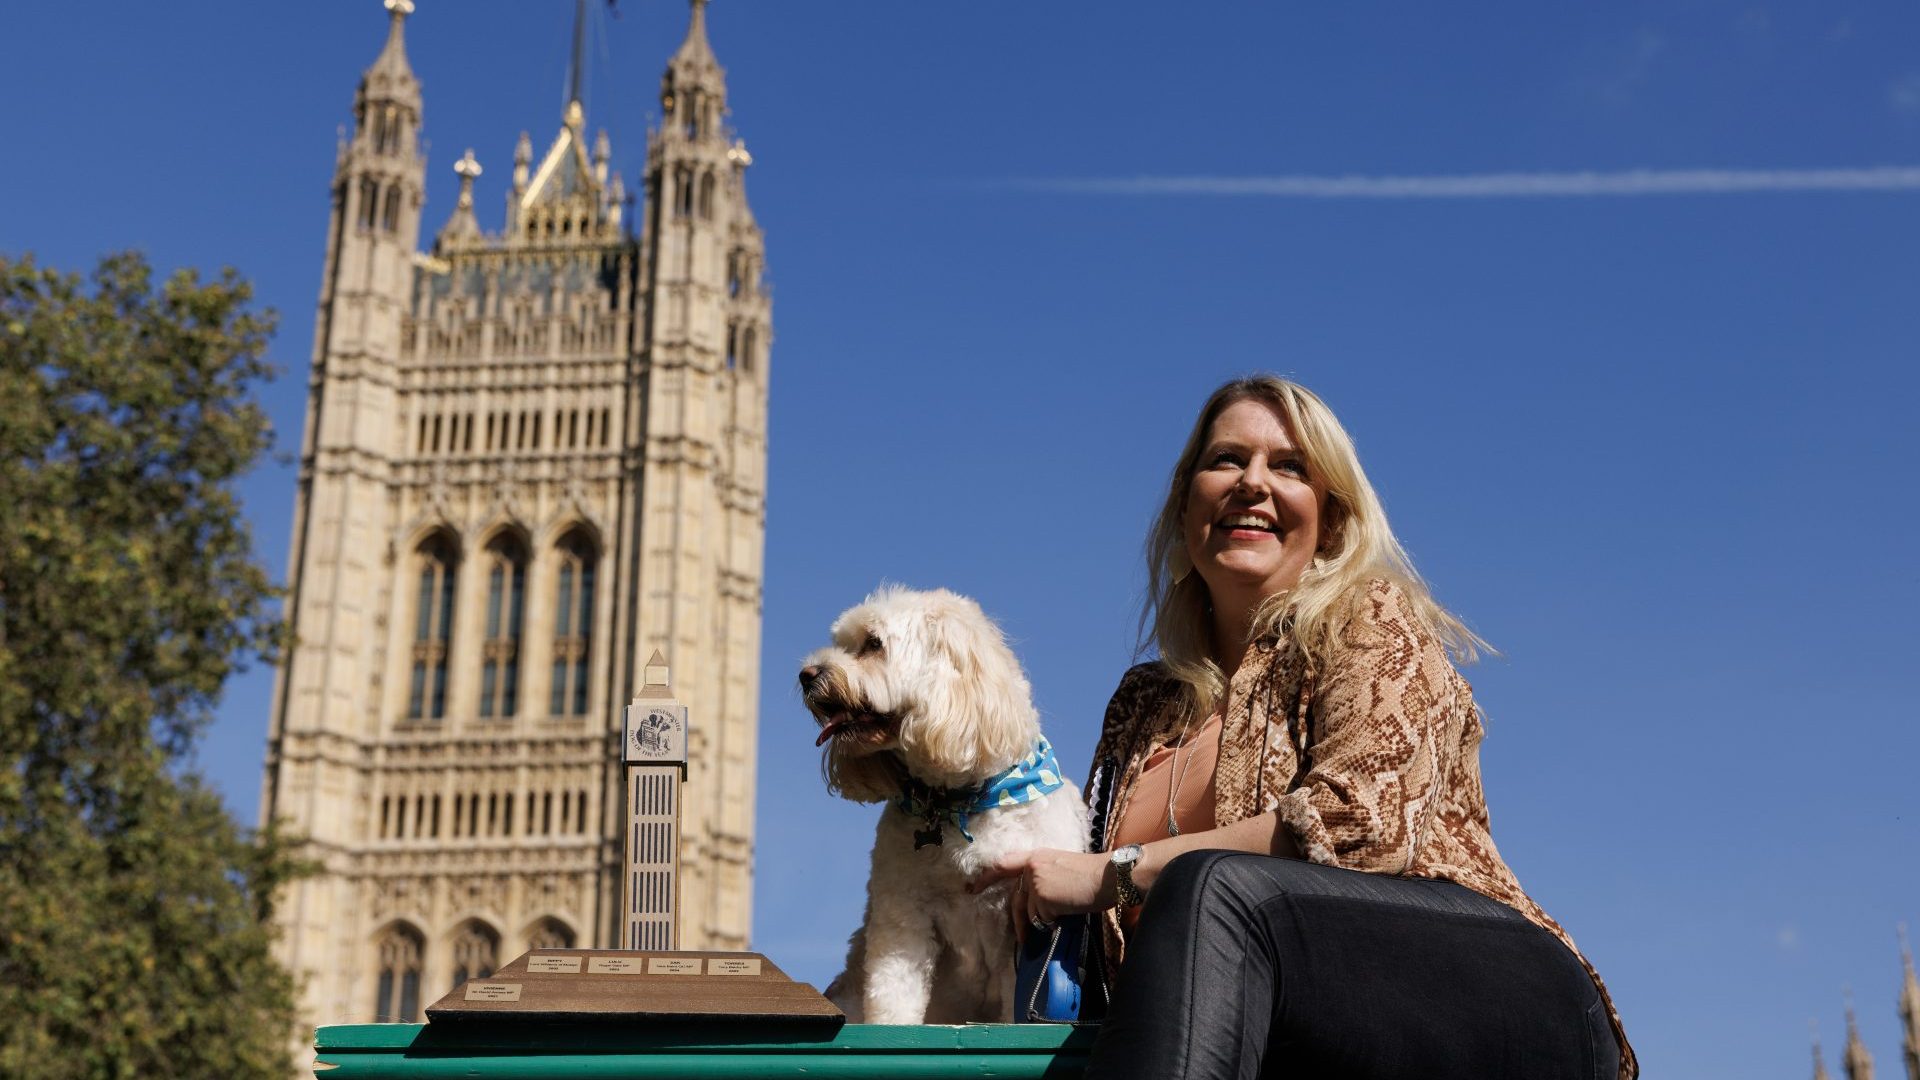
(922, 706)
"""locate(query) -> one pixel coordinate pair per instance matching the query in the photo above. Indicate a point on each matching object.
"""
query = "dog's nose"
(808, 674)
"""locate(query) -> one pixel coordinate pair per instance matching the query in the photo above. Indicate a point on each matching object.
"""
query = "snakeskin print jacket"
(1372, 763)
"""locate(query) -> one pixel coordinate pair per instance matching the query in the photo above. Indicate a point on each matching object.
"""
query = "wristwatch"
(1124, 859)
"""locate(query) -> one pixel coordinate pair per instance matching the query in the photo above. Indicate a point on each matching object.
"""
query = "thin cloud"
(1904, 93)
(1514, 185)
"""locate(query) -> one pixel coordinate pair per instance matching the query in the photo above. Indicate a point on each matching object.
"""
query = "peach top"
(1145, 819)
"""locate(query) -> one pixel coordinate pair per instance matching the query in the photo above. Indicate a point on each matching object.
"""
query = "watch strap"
(1124, 890)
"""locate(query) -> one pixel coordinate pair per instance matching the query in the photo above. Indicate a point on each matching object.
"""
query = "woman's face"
(1252, 521)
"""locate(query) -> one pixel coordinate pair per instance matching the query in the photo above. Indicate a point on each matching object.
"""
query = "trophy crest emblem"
(655, 735)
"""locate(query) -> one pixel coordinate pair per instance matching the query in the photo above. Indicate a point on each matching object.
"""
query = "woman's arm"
(1386, 721)
(1384, 715)
(1053, 883)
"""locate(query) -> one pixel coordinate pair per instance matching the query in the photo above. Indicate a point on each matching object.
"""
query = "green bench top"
(468, 1050)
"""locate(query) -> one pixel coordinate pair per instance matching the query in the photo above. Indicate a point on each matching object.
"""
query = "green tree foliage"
(135, 915)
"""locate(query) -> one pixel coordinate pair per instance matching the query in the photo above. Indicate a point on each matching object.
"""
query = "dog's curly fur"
(922, 684)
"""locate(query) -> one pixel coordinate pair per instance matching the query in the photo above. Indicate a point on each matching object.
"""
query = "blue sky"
(1657, 448)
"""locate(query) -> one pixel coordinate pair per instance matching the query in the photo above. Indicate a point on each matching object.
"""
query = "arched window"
(386, 131)
(573, 627)
(747, 343)
(390, 217)
(432, 631)
(369, 202)
(397, 996)
(475, 952)
(706, 196)
(500, 653)
(683, 197)
(550, 934)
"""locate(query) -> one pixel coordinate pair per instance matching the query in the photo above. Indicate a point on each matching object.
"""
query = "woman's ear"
(1333, 518)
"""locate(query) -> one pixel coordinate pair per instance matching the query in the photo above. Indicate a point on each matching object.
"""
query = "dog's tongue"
(833, 725)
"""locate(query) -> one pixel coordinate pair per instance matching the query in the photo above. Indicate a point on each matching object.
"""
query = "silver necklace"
(1179, 775)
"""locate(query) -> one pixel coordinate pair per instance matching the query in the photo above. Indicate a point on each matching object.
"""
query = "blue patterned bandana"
(1031, 779)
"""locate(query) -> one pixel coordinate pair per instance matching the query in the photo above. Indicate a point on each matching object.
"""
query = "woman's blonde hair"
(1356, 547)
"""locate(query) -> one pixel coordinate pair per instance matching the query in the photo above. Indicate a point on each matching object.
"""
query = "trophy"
(650, 977)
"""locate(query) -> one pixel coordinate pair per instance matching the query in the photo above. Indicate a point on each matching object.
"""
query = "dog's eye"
(871, 645)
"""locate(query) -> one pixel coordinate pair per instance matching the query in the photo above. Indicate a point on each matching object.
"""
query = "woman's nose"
(1256, 479)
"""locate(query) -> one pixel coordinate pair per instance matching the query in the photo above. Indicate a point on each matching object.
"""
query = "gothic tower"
(531, 458)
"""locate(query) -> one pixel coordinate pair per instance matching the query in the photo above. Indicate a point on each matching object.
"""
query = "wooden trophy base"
(576, 985)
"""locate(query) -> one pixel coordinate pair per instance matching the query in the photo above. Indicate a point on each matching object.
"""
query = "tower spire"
(693, 92)
(461, 225)
(696, 41)
(1819, 1059)
(390, 71)
(1856, 1059)
(576, 67)
(1909, 1008)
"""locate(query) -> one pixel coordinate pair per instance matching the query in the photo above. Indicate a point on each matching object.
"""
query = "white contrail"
(1500, 185)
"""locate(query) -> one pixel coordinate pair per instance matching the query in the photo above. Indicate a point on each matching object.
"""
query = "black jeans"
(1251, 966)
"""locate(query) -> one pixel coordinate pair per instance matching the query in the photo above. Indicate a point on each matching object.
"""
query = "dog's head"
(921, 683)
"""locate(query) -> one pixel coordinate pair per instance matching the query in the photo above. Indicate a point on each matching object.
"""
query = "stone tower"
(531, 458)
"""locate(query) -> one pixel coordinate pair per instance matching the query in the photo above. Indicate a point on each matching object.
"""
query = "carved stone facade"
(531, 459)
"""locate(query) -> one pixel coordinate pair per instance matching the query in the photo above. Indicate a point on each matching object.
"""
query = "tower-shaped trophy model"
(654, 750)
(648, 978)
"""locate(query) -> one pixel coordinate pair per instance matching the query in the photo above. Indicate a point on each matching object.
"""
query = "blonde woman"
(1297, 875)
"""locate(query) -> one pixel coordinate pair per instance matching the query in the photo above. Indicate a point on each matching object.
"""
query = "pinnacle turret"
(462, 225)
(696, 48)
(1856, 1059)
(1909, 1008)
(390, 80)
(693, 92)
(379, 172)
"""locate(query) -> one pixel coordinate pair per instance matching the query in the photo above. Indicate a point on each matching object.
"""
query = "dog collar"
(1030, 779)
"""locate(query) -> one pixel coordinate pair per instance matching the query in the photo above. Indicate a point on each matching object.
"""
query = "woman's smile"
(1248, 527)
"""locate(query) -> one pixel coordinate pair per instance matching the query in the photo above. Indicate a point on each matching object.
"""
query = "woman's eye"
(1293, 466)
(1224, 457)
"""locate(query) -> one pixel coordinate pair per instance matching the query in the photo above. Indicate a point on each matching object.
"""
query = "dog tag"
(927, 837)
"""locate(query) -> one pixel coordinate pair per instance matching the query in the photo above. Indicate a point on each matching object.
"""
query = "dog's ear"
(867, 778)
(981, 713)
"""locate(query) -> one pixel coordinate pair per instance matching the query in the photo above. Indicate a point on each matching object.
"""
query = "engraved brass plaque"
(673, 965)
(487, 991)
(554, 965)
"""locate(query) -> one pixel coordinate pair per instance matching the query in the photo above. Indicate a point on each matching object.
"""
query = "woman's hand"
(1048, 883)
